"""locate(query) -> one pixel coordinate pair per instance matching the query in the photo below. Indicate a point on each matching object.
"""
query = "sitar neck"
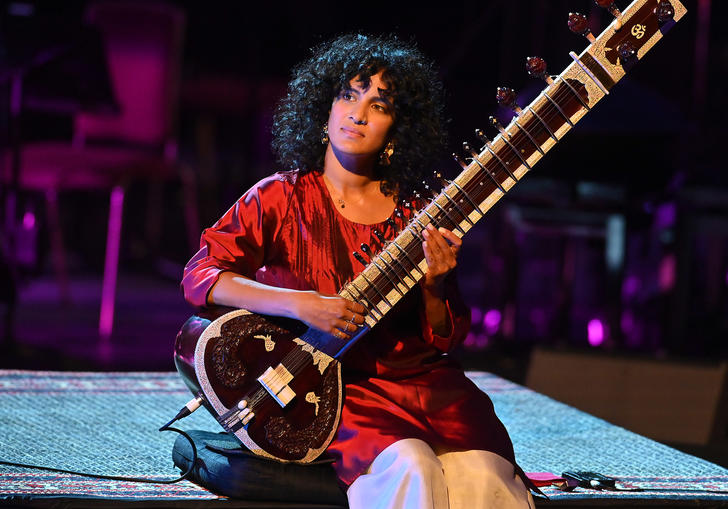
(491, 171)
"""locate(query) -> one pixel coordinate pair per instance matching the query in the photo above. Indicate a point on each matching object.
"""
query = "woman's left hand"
(441, 248)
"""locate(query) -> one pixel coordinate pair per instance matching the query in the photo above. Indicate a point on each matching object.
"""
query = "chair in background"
(143, 47)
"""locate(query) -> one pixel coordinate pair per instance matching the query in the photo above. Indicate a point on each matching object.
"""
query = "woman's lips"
(352, 132)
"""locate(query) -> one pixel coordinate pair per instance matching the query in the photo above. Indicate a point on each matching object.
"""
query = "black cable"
(122, 478)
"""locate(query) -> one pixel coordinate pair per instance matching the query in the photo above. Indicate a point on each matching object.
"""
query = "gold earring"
(384, 157)
(325, 134)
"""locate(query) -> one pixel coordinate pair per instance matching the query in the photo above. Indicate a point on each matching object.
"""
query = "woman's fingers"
(453, 240)
(358, 312)
(440, 248)
(347, 317)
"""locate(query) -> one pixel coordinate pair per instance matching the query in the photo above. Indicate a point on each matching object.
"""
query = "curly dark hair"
(416, 91)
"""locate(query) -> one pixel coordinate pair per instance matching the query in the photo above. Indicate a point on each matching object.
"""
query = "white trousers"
(410, 475)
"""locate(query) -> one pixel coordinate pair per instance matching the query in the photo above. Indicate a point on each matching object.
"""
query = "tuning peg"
(536, 67)
(459, 160)
(482, 137)
(507, 97)
(626, 52)
(664, 11)
(579, 24)
(391, 222)
(427, 188)
(379, 236)
(494, 122)
(365, 247)
(360, 258)
(468, 149)
(442, 180)
(609, 6)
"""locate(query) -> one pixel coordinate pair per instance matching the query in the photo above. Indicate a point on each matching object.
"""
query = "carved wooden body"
(222, 358)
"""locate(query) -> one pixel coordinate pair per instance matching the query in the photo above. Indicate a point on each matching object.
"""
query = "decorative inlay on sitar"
(276, 384)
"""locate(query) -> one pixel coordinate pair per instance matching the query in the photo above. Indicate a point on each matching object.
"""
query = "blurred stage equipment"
(570, 247)
(142, 43)
(670, 401)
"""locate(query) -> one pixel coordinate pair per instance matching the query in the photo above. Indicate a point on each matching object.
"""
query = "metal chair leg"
(111, 266)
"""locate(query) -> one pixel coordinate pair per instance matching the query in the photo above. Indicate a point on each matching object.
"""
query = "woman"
(361, 119)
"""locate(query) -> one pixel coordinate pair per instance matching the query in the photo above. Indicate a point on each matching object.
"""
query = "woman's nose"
(359, 114)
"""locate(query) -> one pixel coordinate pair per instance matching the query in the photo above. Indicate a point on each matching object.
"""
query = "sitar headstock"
(571, 94)
(633, 33)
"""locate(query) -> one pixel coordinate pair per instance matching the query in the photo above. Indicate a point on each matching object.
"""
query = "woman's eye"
(347, 96)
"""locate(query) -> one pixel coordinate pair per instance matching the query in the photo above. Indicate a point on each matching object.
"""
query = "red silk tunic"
(399, 381)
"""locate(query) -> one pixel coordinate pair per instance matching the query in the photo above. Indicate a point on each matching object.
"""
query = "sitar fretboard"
(494, 169)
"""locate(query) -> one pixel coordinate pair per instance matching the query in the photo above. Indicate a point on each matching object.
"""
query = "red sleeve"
(458, 314)
(241, 239)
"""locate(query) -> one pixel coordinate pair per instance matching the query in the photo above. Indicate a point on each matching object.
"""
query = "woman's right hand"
(331, 314)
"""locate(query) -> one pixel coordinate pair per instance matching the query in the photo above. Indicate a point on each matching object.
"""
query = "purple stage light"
(666, 215)
(28, 220)
(667, 270)
(631, 328)
(476, 315)
(481, 341)
(631, 286)
(476, 341)
(595, 332)
(492, 321)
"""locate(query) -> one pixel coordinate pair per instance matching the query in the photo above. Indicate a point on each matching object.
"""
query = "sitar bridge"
(275, 381)
(237, 417)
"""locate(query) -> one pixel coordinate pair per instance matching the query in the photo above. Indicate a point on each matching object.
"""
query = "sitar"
(275, 383)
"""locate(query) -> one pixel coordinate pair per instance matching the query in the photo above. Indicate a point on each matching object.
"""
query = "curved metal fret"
(432, 219)
(394, 283)
(551, 133)
(417, 267)
(384, 298)
(492, 177)
(502, 162)
(455, 204)
(395, 259)
(434, 202)
(415, 232)
(538, 147)
(467, 197)
(566, 117)
(370, 306)
(516, 151)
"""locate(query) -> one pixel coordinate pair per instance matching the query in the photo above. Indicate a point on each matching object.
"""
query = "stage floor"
(107, 423)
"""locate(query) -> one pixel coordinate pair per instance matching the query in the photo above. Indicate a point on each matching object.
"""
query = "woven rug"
(549, 436)
(107, 423)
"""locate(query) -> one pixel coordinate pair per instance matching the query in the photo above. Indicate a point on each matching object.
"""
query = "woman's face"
(360, 118)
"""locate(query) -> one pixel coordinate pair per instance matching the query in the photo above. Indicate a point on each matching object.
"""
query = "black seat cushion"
(226, 467)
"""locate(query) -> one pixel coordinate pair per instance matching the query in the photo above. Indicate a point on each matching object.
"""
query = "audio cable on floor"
(190, 407)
